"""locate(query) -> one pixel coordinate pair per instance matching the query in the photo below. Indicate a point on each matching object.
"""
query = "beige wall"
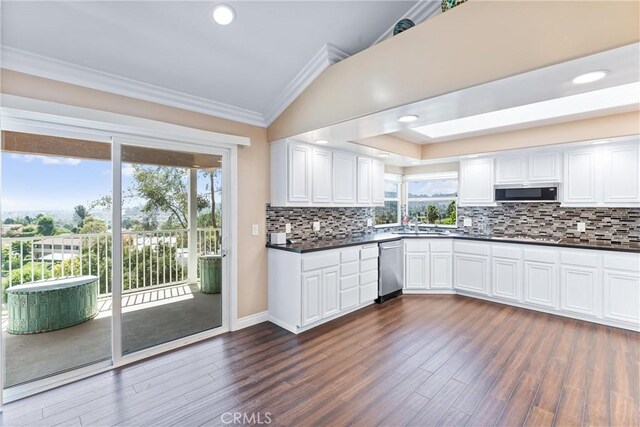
(580, 130)
(474, 43)
(253, 167)
(434, 168)
(392, 145)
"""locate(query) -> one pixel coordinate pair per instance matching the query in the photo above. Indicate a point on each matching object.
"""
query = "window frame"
(397, 180)
(431, 177)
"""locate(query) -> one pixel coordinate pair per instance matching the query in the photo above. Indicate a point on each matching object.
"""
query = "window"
(432, 199)
(390, 213)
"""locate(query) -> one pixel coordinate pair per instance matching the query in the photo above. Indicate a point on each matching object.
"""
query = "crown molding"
(420, 12)
(42, 66)
(323, 59)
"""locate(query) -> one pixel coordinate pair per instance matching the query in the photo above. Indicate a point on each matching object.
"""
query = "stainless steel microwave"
(527, 194)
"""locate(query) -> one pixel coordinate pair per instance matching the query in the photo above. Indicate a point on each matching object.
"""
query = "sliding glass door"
(90, 280)
(171, 245)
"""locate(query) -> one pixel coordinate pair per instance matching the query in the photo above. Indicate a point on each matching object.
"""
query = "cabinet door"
(511, 170)
(299, 177)
(544, 167)
(540, 283)
(377, 178)
(578, 289)
(621, 296)
(580, 177)
(311, 297)
(476, 182)
(330, 291)
(506, 278)
(364, 181)
(470, 273)
(321, 173)
(344, 178)
(440, 269)
(622, 174)
(415, 276)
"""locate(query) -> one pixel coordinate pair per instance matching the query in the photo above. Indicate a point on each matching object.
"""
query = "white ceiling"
(175, 45)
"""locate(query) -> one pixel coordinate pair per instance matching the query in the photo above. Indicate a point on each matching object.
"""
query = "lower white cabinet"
(540, 283)
(621, 295)
(416, 270)
(578, 286)
(470, 272)
(330, 291)
(311, 294)
(507, 278)
(440, 270)
(428, 264)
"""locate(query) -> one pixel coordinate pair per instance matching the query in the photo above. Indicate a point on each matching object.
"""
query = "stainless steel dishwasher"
(390, 270)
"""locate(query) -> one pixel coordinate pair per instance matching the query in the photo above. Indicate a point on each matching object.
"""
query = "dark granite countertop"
(324, 244)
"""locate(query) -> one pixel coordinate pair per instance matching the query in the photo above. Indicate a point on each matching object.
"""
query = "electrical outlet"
(316, 226)
(581, 227)
(369, 222)
(254, 229)
(287, 228)
(468, 222)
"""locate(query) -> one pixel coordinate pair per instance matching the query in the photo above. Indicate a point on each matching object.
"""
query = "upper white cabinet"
(528, 168)
(377, 184)
(344, 178)
(602, 175)
(308, 175)
(321, 176)
(476, 182)
(622, 174)
(364, 186)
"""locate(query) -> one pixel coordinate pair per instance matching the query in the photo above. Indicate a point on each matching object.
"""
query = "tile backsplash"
(606, 225)
(334, 222)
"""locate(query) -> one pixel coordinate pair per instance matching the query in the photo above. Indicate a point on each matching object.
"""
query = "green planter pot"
(211, 274)
(48, 305)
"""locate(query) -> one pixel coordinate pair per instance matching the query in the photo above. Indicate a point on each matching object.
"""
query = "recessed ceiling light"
(322, 141)
(415, 163)
(223, 14)
(590, 77)
(408, 118)
(596, 100)
(383, 155)
(196, 166)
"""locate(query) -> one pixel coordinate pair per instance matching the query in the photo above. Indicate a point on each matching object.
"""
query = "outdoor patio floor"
(150, 318)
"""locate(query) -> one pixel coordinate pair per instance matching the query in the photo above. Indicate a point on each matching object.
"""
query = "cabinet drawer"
(471, 248)
(349, 268)
(629, 262)
(368, 293)
(349, 282)
(506, 251)
(314, 262)
(370, 252)
(369, 277)
(349, 255)
(416, 245)
(349, 298)
(581, 257)
(441, 245)
(541, 255)
(368, 265)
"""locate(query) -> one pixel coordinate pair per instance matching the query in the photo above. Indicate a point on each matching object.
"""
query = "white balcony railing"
(150, 258)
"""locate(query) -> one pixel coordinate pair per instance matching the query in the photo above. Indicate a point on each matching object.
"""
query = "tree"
(432, 214)
(93, 226)
(46, 226)
(81, 212)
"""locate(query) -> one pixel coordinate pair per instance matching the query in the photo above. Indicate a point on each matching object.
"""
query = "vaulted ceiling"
(172, 51)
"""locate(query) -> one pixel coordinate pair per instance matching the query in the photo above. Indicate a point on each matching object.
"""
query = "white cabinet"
(416, 270)
(299, 173)
(544, 167)
(321, 176)
(476, 182)
(311, 297)
(470, 273)
(621, 174)
(344, 178)
(578, 285)
(364, 181)
(330, 291)
(377, 184)
(510, 170)
(621, 287)
(308, 175)
(368, 273)
(440, 270)
(540, 277)
(580, 177)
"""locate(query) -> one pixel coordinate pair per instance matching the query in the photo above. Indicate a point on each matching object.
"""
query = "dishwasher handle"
(391, 247)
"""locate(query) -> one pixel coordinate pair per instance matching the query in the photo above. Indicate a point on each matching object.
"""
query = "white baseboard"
(253, 319)
(428, 292)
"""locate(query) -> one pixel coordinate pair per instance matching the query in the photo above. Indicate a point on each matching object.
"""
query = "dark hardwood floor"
(415, 360)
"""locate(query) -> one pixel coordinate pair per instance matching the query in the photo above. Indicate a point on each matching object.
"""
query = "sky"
(33, 183)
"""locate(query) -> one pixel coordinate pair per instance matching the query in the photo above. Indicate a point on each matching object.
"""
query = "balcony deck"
(150, 317)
